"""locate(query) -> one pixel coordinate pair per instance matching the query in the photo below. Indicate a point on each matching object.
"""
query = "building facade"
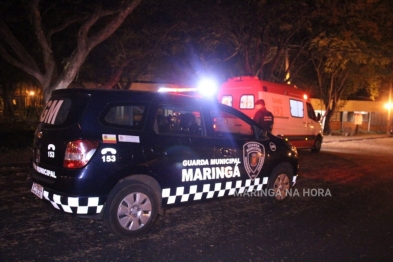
(358, 117)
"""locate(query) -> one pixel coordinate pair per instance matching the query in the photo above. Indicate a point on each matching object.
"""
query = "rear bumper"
(79, 205)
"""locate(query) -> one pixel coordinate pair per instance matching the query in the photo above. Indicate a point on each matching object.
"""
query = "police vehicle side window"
(178, 119)
(226, 124)
(129, 115)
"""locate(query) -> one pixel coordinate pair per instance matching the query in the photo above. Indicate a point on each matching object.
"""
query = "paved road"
(351, 223)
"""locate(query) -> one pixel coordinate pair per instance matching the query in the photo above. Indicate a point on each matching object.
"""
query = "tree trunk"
(327, 129)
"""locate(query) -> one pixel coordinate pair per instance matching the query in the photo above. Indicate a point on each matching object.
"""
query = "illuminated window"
(365, 117)
(350, 117)
(226, 124)
(227, 100)
(297, 108)
(247, 102)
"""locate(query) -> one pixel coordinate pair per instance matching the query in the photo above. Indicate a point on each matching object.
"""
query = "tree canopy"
(51, 40)
(329, 47)
(351, 50)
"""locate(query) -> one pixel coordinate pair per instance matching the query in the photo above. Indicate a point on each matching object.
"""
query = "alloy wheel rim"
(281, 186)
(134, 211)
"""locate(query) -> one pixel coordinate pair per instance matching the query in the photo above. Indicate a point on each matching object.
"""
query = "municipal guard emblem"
(253, 158)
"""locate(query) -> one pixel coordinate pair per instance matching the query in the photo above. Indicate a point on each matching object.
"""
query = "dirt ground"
(351, 223)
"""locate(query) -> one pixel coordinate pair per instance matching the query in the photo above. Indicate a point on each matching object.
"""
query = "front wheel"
(317, 145)
(132, 210)
(280, 183)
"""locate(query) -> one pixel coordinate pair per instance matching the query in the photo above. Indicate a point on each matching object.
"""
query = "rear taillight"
(79, 152)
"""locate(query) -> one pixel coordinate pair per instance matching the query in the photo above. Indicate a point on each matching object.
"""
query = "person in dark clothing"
(263, 117)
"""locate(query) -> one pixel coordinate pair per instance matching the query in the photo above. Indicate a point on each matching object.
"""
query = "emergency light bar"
(176, 89)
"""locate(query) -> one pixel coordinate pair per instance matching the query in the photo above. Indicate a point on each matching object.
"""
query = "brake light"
(78, 153)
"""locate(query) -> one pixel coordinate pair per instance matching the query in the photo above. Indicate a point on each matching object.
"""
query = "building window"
(350, 117)
(365, 117)
(377, 119)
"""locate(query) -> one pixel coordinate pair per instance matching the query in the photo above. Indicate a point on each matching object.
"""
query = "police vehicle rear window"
(60, 111)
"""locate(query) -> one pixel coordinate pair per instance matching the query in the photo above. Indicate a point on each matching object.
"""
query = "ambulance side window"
(226, 124)
(227, 100)
(247, 102)
(297, 108)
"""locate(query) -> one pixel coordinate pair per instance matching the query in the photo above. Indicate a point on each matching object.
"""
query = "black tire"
(280, 183)
(131, 209)
(317, 145)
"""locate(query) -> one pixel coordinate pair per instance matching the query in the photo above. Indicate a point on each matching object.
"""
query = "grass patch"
(16, 135)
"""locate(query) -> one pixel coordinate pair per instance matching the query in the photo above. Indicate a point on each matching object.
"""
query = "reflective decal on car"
(51, 151)
(129, 139)
(209, 173)
(50, 112)
(254, 157)
(75, 205)
(108, 155)
(109, 139)
(207, 191)
(44, 171)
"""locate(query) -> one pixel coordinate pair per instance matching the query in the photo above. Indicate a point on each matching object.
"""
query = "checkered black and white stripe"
(191, 193)
(75, 205)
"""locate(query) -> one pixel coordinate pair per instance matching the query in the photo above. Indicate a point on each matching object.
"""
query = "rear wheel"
(280, 183)
(317, 145)
(132, 210)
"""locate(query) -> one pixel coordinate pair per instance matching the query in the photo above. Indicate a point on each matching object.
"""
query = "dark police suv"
(125, 155)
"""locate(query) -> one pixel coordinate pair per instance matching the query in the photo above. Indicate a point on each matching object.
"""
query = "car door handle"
(158, 153)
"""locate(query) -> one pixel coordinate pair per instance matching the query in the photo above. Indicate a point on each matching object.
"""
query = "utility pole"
(287, 67)
(389, 108)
